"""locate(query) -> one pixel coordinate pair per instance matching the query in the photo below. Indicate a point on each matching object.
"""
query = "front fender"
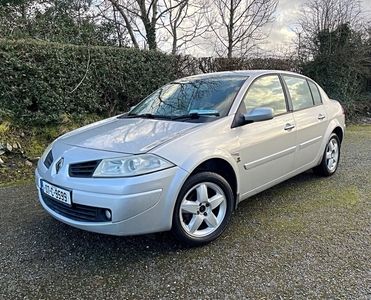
(196, 158)
(192, 161)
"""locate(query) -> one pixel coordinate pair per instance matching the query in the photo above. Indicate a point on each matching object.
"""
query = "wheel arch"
(339, 132)
(333, 127)
(214, 160)
(222, 168)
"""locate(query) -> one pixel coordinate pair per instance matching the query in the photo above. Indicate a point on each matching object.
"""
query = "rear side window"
(300, 93)
(266, 92)
(315, 93)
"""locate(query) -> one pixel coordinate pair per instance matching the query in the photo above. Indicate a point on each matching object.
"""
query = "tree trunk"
(151, 36)
(127, 22)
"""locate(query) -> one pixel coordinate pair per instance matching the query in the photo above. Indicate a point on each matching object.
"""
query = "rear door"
(267, 148)
(310, 118)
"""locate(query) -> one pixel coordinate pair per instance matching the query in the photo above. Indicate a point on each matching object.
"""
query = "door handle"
(289, 126)
(321, 117)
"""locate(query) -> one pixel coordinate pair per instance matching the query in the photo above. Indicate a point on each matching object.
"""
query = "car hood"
(124, 135)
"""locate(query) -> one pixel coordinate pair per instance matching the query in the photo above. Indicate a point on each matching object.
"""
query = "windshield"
(211, 96)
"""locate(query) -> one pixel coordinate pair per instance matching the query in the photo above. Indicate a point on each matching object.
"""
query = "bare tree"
(185, 24)
(325, 16)
(140, 17)
(334, 48)
(239, 24)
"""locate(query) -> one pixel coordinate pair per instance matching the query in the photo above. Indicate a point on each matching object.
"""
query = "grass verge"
(28, 144)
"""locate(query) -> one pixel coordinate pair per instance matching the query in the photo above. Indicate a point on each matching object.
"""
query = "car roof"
(246, 73)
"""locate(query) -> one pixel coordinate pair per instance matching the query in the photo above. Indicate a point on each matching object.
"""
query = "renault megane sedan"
(189, 153)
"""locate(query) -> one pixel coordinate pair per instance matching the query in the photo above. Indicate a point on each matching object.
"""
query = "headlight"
(46, 152)
(131, 166)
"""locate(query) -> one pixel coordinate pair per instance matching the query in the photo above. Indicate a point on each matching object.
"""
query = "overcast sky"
(286, 15)
(282, 38)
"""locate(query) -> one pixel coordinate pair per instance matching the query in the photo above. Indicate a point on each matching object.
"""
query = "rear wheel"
(331, 157)
(203, 209)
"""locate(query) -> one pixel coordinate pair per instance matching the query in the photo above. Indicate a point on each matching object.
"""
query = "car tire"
(331, 157)
(203, 209)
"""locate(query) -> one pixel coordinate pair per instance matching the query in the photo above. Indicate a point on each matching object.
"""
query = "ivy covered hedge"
(40, 82)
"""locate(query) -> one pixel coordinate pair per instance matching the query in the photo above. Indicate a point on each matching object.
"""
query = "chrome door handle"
(289, 126)
(321, 117)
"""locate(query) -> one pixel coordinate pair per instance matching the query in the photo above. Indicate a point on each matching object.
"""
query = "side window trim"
(289, 105)
(311, 92)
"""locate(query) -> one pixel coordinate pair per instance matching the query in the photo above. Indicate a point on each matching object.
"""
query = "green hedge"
(43, 83)
(40, 82)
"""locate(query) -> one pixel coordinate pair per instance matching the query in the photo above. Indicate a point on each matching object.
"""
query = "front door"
(267, 148)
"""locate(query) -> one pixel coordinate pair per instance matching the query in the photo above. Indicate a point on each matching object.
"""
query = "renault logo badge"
(59, 165)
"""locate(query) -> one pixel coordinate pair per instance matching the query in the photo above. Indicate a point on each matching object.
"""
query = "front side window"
(266, 92)
(300, 94)
(204, 96)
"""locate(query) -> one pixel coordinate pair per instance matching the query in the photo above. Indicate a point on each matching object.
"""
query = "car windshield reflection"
(192, 98)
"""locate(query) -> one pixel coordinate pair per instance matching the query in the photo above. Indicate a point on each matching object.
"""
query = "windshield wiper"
(196, 114)
(193, 114)
(147, 116)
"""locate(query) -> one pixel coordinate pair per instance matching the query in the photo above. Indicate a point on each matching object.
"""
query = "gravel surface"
(308, 238)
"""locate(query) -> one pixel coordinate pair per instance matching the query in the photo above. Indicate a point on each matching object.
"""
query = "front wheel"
(203, 209)
(331, 157)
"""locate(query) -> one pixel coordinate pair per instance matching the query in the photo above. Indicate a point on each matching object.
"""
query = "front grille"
(49, 159)
(76, 212)
(83, 170)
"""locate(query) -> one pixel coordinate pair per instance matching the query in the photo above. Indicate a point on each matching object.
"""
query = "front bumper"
(138, 205)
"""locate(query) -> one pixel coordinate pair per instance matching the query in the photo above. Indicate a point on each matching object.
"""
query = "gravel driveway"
(308, 238)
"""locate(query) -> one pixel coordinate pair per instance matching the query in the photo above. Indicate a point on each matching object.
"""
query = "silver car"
(189, 153)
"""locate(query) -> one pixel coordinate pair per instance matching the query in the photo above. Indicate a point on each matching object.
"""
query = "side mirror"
(259, 114)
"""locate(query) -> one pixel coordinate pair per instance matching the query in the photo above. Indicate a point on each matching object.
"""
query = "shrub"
(42, 81)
